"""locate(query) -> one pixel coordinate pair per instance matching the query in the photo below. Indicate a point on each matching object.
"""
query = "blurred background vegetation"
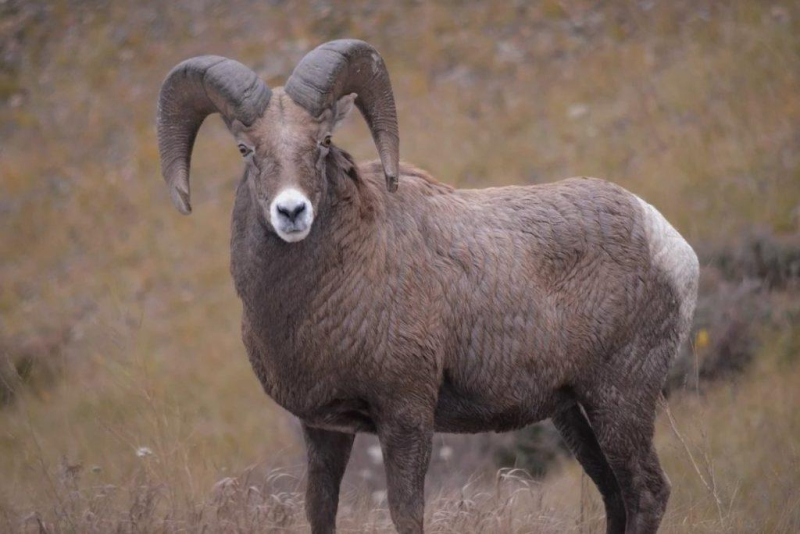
(126, 400)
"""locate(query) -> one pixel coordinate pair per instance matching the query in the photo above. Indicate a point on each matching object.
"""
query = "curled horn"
(346, 66)
(193, 90)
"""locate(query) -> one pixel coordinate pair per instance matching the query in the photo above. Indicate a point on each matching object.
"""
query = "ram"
(420, 309)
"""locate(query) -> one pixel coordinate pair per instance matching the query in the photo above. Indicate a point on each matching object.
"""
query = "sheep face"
(285, 154)
(285, 134)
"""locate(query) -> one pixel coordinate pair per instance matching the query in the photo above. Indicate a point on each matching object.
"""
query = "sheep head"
(284, 135)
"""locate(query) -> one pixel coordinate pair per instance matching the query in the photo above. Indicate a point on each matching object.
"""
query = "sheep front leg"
(328, 453)
(406, 446)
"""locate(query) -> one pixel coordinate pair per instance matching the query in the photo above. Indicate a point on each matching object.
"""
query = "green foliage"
(535, 449)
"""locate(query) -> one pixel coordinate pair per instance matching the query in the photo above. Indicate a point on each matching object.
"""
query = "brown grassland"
(126, 400)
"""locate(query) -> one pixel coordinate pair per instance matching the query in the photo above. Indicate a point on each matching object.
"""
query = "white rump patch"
(671, 253)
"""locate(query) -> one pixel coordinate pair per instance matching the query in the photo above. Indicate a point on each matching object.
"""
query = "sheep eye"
(327, 141)
(244, 150)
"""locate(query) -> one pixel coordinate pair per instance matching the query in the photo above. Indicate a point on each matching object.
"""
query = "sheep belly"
(466, 411)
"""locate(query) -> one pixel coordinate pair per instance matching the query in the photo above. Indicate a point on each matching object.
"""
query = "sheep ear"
(342, 109)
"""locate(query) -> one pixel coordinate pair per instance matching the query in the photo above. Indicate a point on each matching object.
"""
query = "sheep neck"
(280, 282)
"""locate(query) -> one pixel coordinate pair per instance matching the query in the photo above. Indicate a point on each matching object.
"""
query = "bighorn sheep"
(432, 308)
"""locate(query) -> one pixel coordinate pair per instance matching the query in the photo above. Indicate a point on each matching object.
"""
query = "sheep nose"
(291, 209)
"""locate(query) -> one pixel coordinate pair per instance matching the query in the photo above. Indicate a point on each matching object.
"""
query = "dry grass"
(731, 454)
(693, 105)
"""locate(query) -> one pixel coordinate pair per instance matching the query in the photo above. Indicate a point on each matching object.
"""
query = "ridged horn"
(193, 90)
(346, 66)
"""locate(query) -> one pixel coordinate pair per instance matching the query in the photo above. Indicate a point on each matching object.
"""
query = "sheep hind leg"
(624, 430)
(580, 438)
